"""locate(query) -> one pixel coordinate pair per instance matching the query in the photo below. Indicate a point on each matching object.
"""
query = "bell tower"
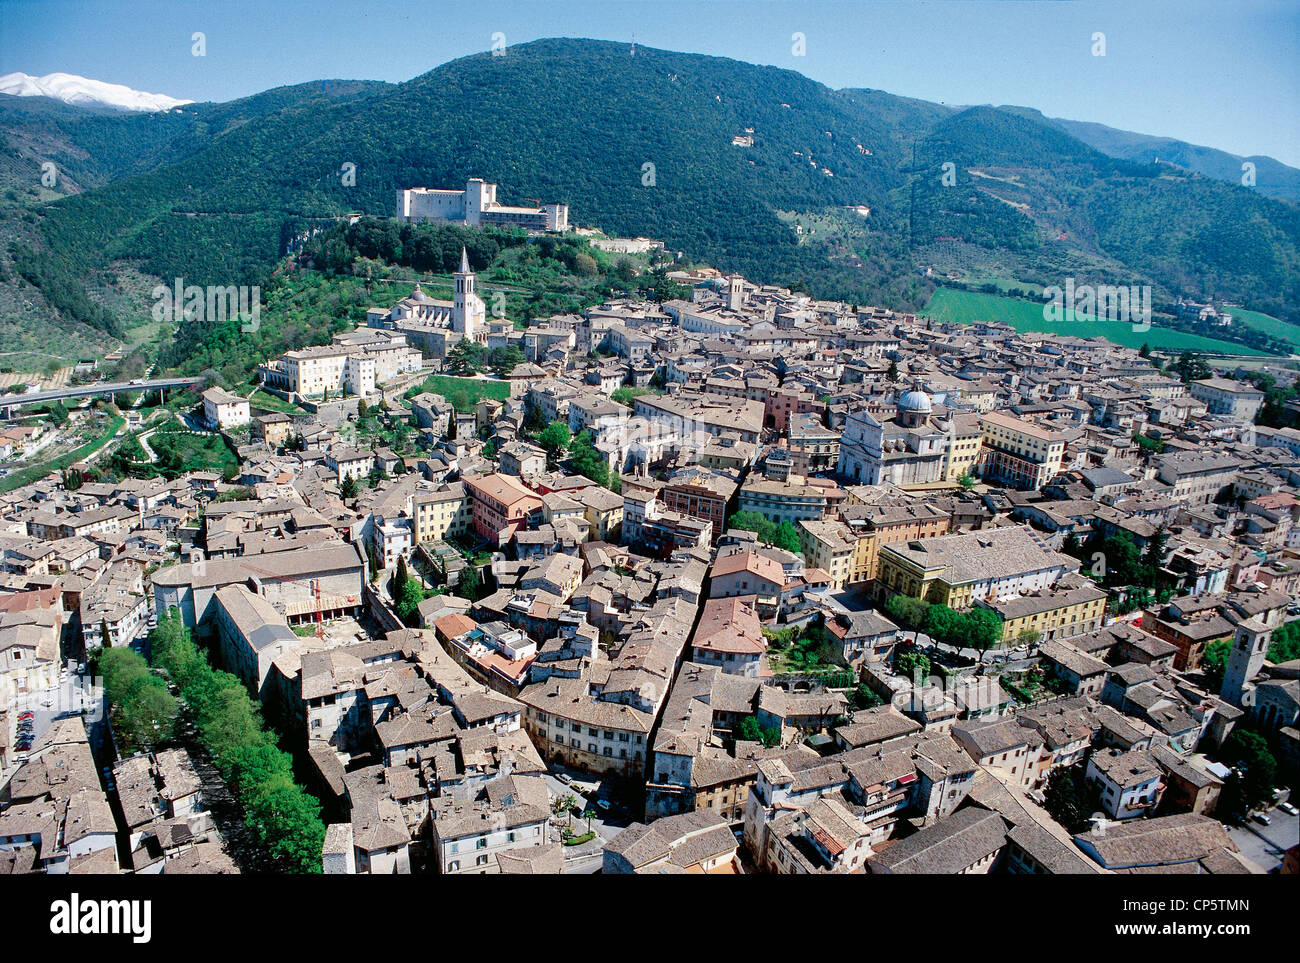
(468, 310)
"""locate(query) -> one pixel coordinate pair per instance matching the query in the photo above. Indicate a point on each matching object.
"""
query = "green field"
(967, 307)
(464, 393)
(1267, 324)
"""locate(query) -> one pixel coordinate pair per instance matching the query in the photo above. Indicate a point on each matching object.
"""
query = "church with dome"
(435, 326)
(909, 449)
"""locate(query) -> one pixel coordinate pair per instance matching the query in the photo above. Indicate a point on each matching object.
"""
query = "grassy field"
(1267, 324)
(465, 393)
(36, 472)
(269, 402)
(196, 452)
(966, 307)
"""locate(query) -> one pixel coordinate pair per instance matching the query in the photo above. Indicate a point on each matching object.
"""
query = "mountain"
(642, 143)
(1272, 177)
(52, 318)
(84, 92)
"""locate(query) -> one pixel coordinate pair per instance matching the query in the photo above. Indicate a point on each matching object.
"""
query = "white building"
(222, 410)
(477, 205)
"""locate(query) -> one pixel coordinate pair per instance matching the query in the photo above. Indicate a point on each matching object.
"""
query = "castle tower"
(468, 311)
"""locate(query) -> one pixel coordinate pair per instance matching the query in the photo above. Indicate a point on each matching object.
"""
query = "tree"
(941, 624)
(409, 596)
(983, 629)
(1214, 661)
(1153, 559)
(786, 536)
(471, 583)
(467, 357)
(753, 522)
(907, 611)
(554, 439)
(891, 373)
(1028, 638)
(1066, 799)
(748, 729)
(587, 461)
(1249, 752)
(502, 360)
(363, 410)
(864, 697)
(59, 413)
(966, 481)
(1285, 646)
(913, 664)
(349, 487)
(1071, 545)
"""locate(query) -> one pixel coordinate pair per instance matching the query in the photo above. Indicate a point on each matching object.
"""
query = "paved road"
(1264, 845)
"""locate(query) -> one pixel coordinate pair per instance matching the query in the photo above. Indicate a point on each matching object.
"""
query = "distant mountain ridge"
(84, 92)
(643, 144)
(1272, 177)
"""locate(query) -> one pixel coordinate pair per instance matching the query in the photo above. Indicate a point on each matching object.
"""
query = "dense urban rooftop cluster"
(748, 582)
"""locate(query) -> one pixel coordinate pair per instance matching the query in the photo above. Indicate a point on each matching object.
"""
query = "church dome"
(419, 295)
(915, 401)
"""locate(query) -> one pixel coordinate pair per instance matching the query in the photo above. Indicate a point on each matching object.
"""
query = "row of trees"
(144, 712)
(283, 816)
(470, 358)
(977, 628)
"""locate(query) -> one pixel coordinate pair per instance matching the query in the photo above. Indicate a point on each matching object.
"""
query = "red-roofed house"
(730, 636)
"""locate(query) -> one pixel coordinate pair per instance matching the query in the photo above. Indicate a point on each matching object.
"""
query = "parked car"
(1287, 808)
(23, 716)
(1261, 818)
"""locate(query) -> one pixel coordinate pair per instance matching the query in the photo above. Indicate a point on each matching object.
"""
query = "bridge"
(102, 389)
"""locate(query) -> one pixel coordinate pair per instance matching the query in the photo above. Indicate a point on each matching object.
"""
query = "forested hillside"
(643, 144)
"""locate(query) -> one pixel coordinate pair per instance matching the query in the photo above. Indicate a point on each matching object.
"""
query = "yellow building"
(965, 445)
(831, 546)
(991, 565)
(1074, 607)
(441, 513)
(1020, 452)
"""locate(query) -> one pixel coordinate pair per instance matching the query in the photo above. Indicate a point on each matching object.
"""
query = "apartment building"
(500, 506)
(1234, 400)
(441, 513)
(1020, 453)
(991, 565)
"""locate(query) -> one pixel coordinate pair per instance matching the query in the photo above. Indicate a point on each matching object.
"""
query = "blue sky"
(1223, 74)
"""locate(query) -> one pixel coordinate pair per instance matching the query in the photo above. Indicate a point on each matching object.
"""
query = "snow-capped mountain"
(83, 92)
